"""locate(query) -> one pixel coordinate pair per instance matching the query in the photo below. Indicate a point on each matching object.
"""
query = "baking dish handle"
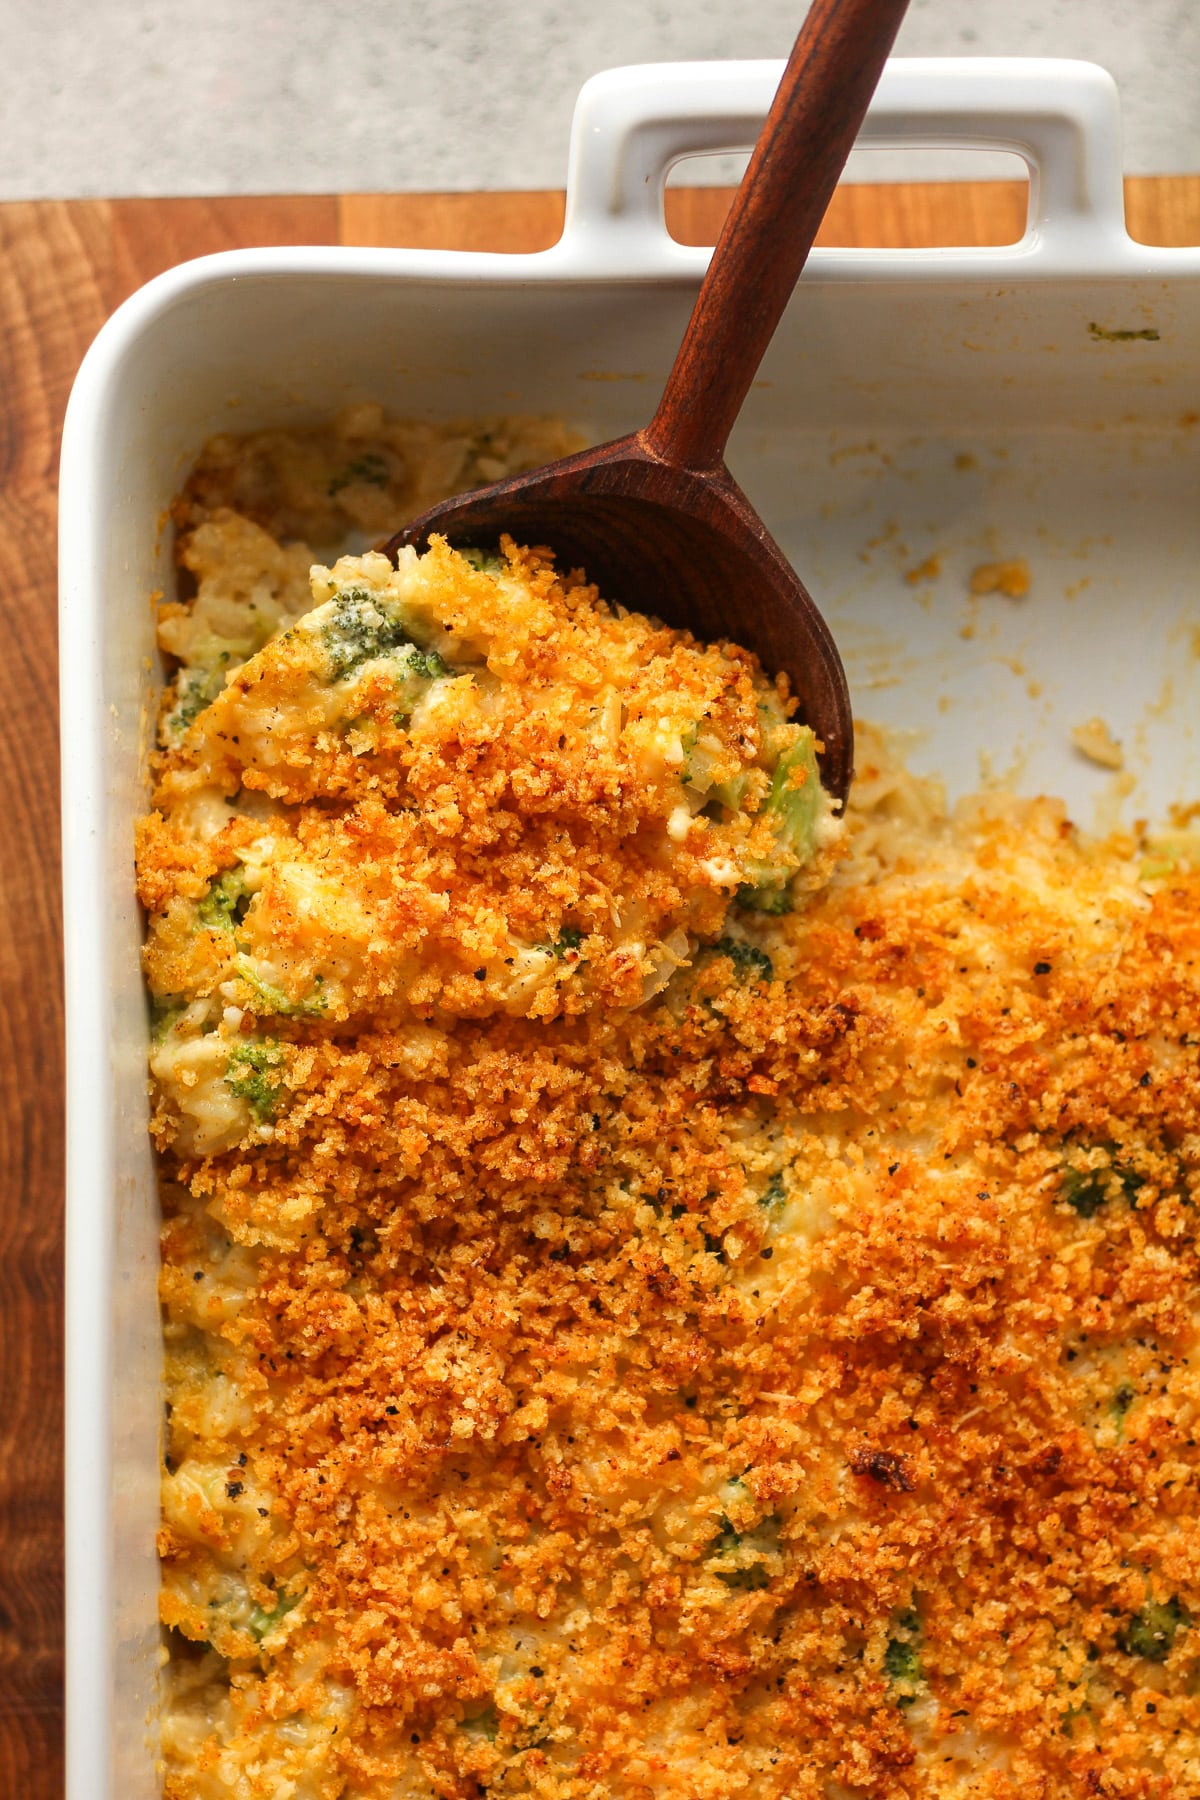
(1061, 117)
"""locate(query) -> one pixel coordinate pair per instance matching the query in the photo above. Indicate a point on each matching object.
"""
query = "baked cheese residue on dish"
(665, 1295)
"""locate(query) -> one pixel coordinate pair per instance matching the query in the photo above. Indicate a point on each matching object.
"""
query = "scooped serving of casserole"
(668, 1292)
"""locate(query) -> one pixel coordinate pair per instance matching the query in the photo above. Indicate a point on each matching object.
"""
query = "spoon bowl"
(682, 545)
(655, 519)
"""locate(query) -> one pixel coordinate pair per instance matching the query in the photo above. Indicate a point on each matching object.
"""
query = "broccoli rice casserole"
(668, 1291)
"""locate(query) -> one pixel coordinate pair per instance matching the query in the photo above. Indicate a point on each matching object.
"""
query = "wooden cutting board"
(64, 266)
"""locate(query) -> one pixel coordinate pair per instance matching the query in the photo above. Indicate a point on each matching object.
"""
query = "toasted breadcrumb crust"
(785, 1387)
(431, 854)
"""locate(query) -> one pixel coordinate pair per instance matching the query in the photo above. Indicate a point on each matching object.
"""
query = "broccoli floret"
(252, 1074)
(773, 1194)
(902, 1659)
(428, 665)
(488, 562)
(747, 1551)
(1086, 1190)
(225, 903)
(418, 666)
(1151, 1633)
(165, 1010)
(748, 1579)
(359, 631)
(901, 1662)
(195, 689)
(731, 793)
(688, 739)
(793, 803)
(774, 898)
(749, 962)
(274, 1000)
(370, 467)
(569, 938)
(1119, 1404)
(263, 1623)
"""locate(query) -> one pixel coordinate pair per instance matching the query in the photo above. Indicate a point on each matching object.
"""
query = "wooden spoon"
(655, 518)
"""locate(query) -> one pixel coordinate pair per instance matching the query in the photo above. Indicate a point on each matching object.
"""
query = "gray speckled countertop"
(245, 96)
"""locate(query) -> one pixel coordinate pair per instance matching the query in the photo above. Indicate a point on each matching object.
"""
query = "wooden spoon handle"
(814, 119)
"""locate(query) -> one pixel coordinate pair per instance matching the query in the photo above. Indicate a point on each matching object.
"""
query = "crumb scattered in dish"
(1011, 578)
(1094, 740)
(929, 570)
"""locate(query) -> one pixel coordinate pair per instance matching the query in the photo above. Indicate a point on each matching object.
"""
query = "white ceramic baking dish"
(954, 405)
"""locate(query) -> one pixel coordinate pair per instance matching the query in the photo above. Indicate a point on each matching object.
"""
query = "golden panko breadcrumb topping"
(484, 790)
(782, 1383)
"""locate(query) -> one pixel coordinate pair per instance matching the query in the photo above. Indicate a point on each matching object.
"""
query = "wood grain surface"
(64, 266)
